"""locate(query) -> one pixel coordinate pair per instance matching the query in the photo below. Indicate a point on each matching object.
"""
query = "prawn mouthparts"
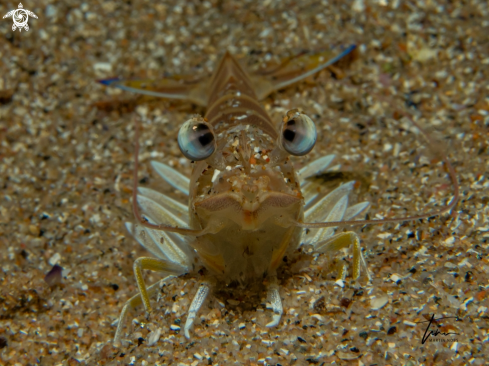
(246, 201)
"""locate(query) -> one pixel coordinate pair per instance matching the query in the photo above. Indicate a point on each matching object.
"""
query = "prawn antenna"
(449, 206)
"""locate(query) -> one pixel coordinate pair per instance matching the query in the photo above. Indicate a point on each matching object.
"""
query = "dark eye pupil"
(289, 135)
(206, 139)
(289, 132)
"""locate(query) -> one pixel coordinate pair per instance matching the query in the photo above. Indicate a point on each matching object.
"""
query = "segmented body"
(248, 195)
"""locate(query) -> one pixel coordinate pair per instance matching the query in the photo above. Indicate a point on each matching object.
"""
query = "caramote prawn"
(248, 207)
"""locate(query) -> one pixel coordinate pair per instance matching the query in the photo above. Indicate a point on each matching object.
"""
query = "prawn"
(248, 208)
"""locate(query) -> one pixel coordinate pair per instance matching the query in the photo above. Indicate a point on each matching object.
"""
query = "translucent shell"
(298, 135)
(196, 139)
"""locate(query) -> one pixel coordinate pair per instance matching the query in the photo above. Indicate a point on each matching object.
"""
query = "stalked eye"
(196, 139)
(298, 133)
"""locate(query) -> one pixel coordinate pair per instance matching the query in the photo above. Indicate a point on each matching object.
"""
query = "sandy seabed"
(66, 158)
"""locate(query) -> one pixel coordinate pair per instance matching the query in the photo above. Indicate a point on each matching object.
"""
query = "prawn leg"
(274, 296)
(131, 304)
(345, 240)
(196, 304)
(152, 264)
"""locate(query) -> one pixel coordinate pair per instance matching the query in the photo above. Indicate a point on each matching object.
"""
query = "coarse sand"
(66, 159)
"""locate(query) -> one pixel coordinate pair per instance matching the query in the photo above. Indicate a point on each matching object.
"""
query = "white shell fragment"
(154, 336)
(377, 303)
(340, 283)
(54, 259)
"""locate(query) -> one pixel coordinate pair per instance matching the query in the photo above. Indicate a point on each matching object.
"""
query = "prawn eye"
(298, 135)
(196, 139)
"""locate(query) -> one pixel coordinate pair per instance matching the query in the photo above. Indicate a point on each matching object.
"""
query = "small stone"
(34, 230)
(358, 6)
(348, 356)
(345, 302)
(54, 276)
(454, 346)
(379, 302)
(384, 235)
(54, 259)
(320, 305)
(154, 336)
(449, 241)
(318, 317)
(340, 283)
(425, 54)
(409, 323)
(50, 11)
(102, 66)
(395, 277)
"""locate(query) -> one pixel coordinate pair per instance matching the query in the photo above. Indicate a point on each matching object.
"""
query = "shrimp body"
(247, 205)
(252, 196)
(245, 197)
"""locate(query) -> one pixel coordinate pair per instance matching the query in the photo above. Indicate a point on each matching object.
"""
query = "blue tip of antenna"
(108, 81)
